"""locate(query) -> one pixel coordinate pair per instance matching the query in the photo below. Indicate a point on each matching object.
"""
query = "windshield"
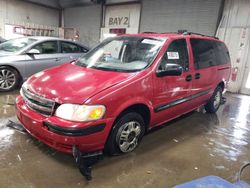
(15, 45)
(123, 54)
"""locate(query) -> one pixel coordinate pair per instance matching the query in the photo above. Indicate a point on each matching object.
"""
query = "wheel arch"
(139, 108)
(222, 85)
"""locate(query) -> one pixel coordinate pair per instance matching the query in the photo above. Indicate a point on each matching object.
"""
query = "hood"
(70, 83)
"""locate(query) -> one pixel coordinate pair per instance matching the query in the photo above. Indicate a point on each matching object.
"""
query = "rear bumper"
(61, 134)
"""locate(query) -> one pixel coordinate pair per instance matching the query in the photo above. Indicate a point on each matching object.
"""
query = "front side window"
(16, 45)
(67, 47)
(48, 47)
(122, 54)
(176, 53)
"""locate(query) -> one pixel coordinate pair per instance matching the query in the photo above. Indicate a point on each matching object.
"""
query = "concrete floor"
(192, 146)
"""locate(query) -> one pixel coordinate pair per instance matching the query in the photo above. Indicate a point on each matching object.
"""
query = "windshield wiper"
(106, 69)
(80, 63)
(113, 69)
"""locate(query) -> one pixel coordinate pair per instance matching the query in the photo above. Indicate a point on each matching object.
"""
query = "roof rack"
(170, 33)
(149, 32)
(185, 32)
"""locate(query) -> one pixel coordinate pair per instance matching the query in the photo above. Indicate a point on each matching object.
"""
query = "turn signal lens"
(96, 113)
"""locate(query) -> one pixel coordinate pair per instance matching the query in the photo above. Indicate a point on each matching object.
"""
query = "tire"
(9, 78)
(126, 134)
(214, 102)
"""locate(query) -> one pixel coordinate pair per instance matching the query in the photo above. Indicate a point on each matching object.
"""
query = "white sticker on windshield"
(153, 42)
(173, 55)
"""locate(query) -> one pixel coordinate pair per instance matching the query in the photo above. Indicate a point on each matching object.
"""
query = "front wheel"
(215, 101)
(126, 134)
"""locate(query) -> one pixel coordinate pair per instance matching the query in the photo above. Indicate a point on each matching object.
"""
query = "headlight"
(23, 86)
(75, 112)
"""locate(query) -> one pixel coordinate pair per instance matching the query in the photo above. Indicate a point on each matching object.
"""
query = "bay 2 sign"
(119, 21)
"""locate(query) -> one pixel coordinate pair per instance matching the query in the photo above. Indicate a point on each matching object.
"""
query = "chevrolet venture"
(123, 87)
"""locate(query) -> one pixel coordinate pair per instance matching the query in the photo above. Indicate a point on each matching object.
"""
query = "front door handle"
(189, 78)
(197, 76)
(57, 59)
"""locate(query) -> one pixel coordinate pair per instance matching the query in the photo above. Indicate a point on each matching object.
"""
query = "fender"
(134, 101)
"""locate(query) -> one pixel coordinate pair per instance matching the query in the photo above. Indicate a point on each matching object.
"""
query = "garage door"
(171, 15)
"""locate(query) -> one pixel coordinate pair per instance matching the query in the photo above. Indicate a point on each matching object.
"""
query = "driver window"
(176, 54)
(48, 47)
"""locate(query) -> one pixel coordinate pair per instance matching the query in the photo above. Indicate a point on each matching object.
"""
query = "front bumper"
(61, 134)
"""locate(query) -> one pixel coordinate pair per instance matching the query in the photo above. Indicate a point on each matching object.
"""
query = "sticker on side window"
(173, 55)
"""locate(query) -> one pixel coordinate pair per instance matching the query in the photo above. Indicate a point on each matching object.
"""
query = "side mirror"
(33, 52)
(170, 70)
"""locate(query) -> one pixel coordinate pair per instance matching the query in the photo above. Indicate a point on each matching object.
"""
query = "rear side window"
(208, 53)
(221, 53)
(176, 54)
(68, 47)
(203, 52)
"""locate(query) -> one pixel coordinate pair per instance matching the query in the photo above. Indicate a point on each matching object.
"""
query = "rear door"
(71, 51)
(205, 70)
(171, 93)
(48, 56)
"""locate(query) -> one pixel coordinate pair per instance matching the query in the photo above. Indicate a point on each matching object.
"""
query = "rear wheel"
(9, 78)
(215, 101)
(126, 134)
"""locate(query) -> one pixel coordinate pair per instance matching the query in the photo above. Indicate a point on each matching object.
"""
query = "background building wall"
(87, 20)
(155, 15)
(171, 15)
(23, 13)
(234, 29)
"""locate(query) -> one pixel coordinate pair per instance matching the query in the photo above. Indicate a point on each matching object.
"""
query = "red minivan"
(122, 88)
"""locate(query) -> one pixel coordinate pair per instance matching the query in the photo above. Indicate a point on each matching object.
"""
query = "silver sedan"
(22, 57)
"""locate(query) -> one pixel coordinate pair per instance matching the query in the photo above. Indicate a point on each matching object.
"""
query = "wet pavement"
(190, 147)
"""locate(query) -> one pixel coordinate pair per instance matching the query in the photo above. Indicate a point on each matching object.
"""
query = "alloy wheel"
(129, 134)
(7, 79)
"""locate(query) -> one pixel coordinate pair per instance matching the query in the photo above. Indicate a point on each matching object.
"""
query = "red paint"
(81, 83)
(117, 91)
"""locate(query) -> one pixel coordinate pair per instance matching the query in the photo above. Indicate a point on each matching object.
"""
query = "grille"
(37, 103)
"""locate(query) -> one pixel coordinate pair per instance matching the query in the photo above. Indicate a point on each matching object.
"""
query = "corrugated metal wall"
(171, 15)
(87, 20)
